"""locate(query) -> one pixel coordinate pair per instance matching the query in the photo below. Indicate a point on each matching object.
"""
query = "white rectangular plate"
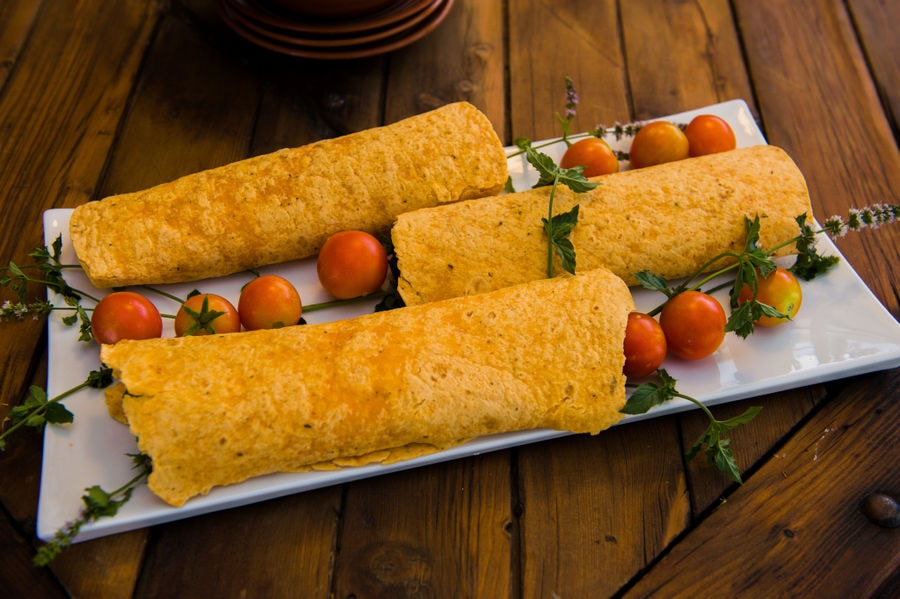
(842, 330)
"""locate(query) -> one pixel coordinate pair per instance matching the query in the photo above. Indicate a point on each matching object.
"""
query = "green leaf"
(740, 321)
(717, 445)
(549, 173)
(100, 379)
(57, 413)
(649, 395)
(748, 415)
(558, 229)
(809, 263)
(653, 282)
(99, 503)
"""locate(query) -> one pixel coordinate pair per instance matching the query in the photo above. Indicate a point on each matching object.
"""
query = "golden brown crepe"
(669, 219)
(281, 206)
(217, 410)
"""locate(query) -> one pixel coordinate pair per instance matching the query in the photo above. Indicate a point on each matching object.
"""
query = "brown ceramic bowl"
(331, 9)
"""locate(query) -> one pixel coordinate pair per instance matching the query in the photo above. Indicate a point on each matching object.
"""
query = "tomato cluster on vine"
(350, 264)
(655, 143)
(692, 324)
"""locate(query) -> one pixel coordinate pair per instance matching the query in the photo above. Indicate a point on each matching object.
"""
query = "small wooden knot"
(882, 509)
(466, 87)
(482, 51)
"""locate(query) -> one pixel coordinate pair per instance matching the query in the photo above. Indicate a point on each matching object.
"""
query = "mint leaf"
(56, 413)
(649, 395)
(558, 229)
(716, 445)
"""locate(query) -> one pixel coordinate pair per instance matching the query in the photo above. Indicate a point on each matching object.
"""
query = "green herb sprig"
(49, 267)
(558, 226)
(714, 441)
(36, 410)
(753, 262)
(98, 503)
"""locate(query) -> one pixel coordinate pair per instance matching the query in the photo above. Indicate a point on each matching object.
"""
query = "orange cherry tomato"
(709, 134)
(594, 154)
(351, 264)
(656, 143)
(645, 345)
(694, 325)
(195, 317)
(781, 290)
(269, 302)
(125, 315)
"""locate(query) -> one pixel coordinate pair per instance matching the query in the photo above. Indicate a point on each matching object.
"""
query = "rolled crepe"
(669, 219)
(216, 410)
(282, 206)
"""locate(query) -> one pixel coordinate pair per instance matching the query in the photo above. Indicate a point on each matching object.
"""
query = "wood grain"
(838, 133)
(549, 41)
(470, 43)
(285, 543)
(595, 510)
(16, 19)
(682, 55)
(801, 511)
(874, 20)
(430, 532)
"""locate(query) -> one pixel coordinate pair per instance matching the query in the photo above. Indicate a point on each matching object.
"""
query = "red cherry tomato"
(594, 154)
(656, 143)
(269, 302)
(709, 134)
(694, 325)
(645, 345)
(195, 317)
(125, 315)
(351, 264)
(781, 290)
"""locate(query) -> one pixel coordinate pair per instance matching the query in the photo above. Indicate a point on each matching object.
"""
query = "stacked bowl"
(333, 29)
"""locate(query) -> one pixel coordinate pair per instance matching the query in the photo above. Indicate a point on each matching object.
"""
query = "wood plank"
(18, 576)
(801, 511)
(750, 443)
(835, 129)
(469, 46)
(107, 567)
(595, 510)
(682, 55)
(549, 41)
(16, 20)
(875, 21)
(300, 106)
(287, 544)
(462, 551)
(180, 121)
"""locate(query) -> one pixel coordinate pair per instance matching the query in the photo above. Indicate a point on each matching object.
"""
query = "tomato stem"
(343, 302)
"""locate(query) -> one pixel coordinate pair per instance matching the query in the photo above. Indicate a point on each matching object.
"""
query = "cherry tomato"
(269, 302)
(201, 321)
(709, 134)
(125, 315)
(656, 143)
(694, 325)
(645, 345)
(781, 290)
(594, 154)
(351, 264)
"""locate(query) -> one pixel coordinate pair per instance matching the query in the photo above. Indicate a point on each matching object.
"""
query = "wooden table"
(100, 97)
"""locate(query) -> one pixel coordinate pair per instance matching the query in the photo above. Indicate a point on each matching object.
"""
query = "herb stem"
(343, 302)
(550, 226)
(43, 408)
